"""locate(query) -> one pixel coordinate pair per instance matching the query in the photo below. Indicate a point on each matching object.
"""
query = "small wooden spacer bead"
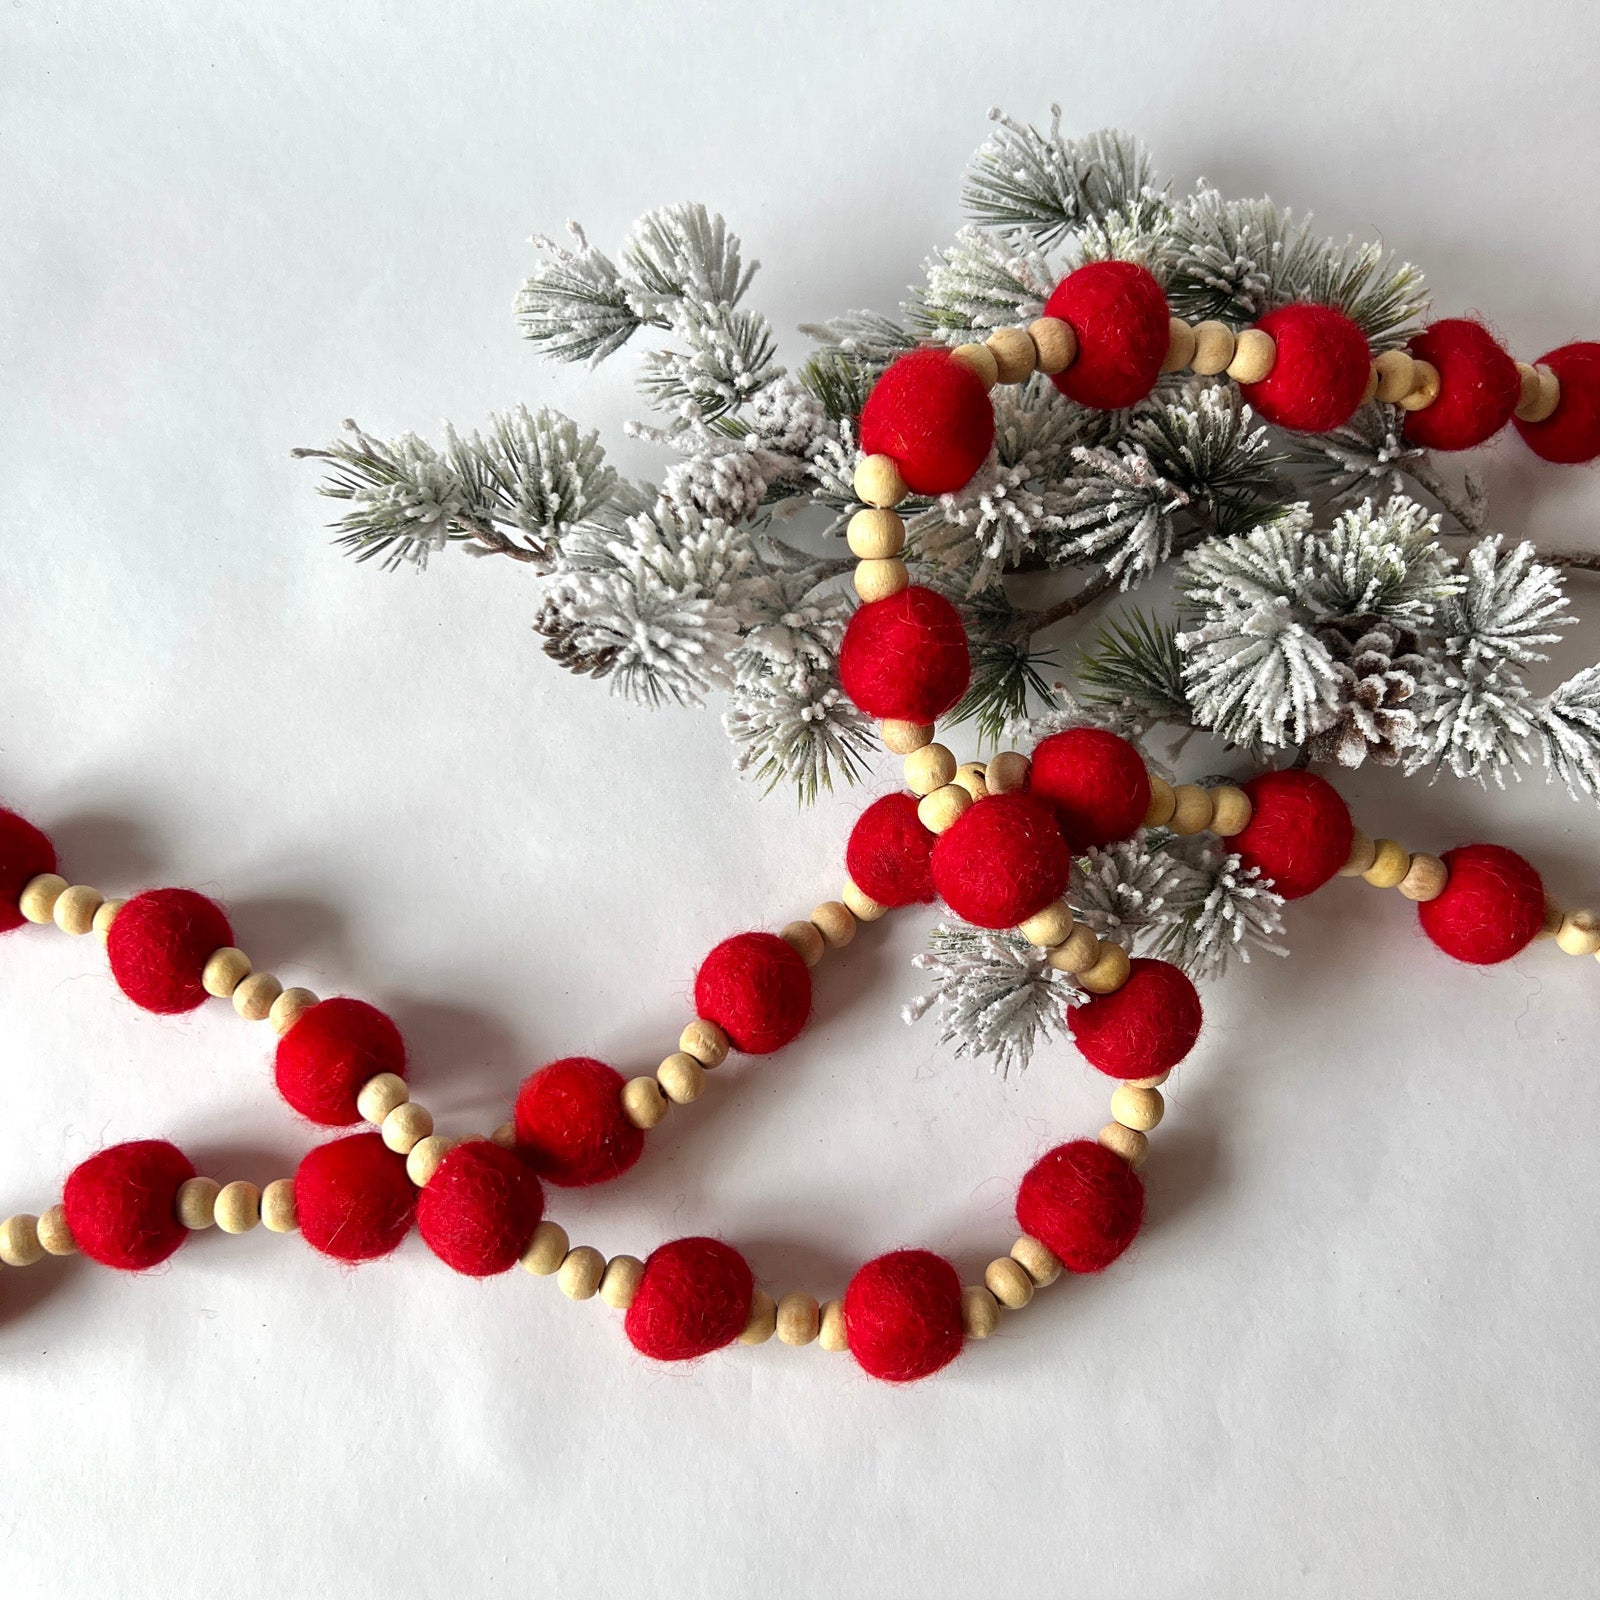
(1362, 854)
(1139, 1109)
(877, 580)
(547, 1249)
(901, 738)
(1370, 392)
(619, 1283)
(1008, 1282)
(1213, 348)
(1541, 393)
(55, 1237)
(1109, 973)
(1049, 927)
(75, 908)
(256, 996)
(805, 939)
(681, 1078)
(1055, 345)
(1163, 802)
(106, 915)
(1425, 878)
(979, 360)
(1424, 388)
(1154, 1082)
(380, 1095)
(799, 1319)
(278, 1211)
(862, 906)
(406, 1126)
(943, 808)
(980, 1311)
(197, 1202)
(1078, 953)
(1006, 772)
(1230, 810)
(643, 1103)
(19, 1240)
(1128, 1143)
(878, 482)
(578, 1277)
(1579, 933)
(762, 1322)
(970, 775)
(875, 534)
(1191, 809)
(836, 923)
(1181, 342)
(930, 768)
(1390, 863)
(506, 1134)
(1554, 916)
(706, 1042)
(37, 902)
(426, 1156)
(224, 972)
(1014, 352)
(1397, 372)
(830, 1329)
(289, 1007)
(238, 1207)
(1254, 354)
(1039, 1261)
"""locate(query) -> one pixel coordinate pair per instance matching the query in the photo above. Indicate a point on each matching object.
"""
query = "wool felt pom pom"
(479, 1209)
(905, 658)
(25, 853)
(122, 1204)
(159, 945)
(890, 852)
(1479, 386)
(1095, 782)
(1001, 861)
(1492, 905)
(694, 1298)
(933, 417)
(756, 989)
(353, 1198)
(570, 1126)
(1120, 316)
(1146, 1027)
(902, 1315)
(1319, 373)
(324, 1059)
(1299, 831)
(1571, 433)
(1084, 1202)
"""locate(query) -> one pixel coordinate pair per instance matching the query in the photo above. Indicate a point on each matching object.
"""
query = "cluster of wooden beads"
(1009, 1284)
(1387, 864)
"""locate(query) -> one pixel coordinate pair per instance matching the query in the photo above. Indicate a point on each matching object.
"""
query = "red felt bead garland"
(569, 1123)
(1120, 317)
(1570, 435)
(932, 417)
(1299, 831)
(890, 853)
(905, 657)
(1143, 1029)
(325, 1058)
(121, 1204)
(1002, 861)
(1084, 1202)
(1479, 386)
(353, 1198)
(694, 1298)
(902, 1315)
(1094, 781)
(25, 853)
(479, 1209)
(1319, 373)
(1492, 906)
(159, 945)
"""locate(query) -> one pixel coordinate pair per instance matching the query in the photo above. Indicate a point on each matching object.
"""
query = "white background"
(1353, 1352)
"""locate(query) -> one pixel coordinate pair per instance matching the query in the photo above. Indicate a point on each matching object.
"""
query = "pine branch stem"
(1029, 623)
(1467, 512)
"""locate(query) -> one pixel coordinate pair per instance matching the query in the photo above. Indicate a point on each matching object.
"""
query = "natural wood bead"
(1370, 392)
(1109, 973)
(901, 738)
(256, 996)
(878, 482)
(37, 902)
(1006, 1280)
(426, 1157)
(980, 1312)
(979, 360)
(1254, 353)
(506, 1134)
(799, 1319)
(278, 1211)
(1128, 1143)
(835, 922)
(875, 534)
(1181, 343)
(1579, 933)
(55, 1237)
(406, 1126)
(643, 1103)
(619, 1283)
(19, 1240)
(681, 1078)
(1055, 345)
(1014, 352)
(1049, 927)
(929, 768)
(224, 972)
(762, 1322)
(1396, 373)
(1191, 809)
(106, 915)
(1154, 1082)
(238, 1207)
(578, 1277)
(75, 908)
(1213, 348)
(862, 906)
(970, 776)
(805, 939)
(943, 808)
(706, 1042)
(1139, 1109)
(1362, 853)
(380, 1095)
(1390, 863)
(1424, 387)
(877, 580)
(1541, 393)
(547, 1249)
(197, 1202)
(1230, 810)
(1163, 802)
(1554, 916)
(1078, 952)
(289, 1007)
(1425, 878)
(1039, 1261)
(830, 1329)
(1006, 772)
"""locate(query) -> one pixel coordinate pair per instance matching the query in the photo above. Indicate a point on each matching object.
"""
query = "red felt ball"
(1083, 1202)
(122, 1204)
(1094, 781)
(1120, 317)
(1492, 905)
(1319, 373)
(353, 1197)
(1299, 831)
(1002, 860)
(570, 1126)
(159, 945)
(1146, 1027)
(25, 853)
(905, 658)
(479, 1209)
(1479, 386)
(325, 1058)
(1571, 433)
(902, 1315)
(756, 989)
(694, 1298)
(933, 416)
(890, 852)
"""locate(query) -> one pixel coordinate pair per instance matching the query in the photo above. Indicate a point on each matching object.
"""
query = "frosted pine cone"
(1377, 680)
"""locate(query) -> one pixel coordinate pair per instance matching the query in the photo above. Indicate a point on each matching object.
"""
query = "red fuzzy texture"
(1119, 314)
(325, 1058)
(1491, 907)
(1082, 1201)
(353, 1198)
(1299, 831)
(933, 416)
(1319, 373)
(479, 1209)
(25, 853)
(1479, 386)
(1002, 860)
(1570, 435)
(122, 1204)
(902, 1315)
(159, 945)
(756, 989)
(890, 852)
(1146, 1027)
(570, 1125)
(905, 658)
(694, 1298)
(1095, 782)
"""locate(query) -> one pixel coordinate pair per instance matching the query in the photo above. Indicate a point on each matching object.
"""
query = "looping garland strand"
(994, 841)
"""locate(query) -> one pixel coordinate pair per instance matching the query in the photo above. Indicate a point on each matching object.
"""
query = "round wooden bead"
(901, 738)
(256, 995)
(1039, 1261)
(380, 1095)
(1230, 811)
(1390, 863)
(1006, 1280)
(1424, 388)
(1128, 1143)
(681, 1078)
(1078, 952)
(506, 1134)
(830, 1328)
(75, 908)
(238, 1207)
(1055, 345)
(877, 580)
(1014, 352)
(1006, 772)
(578, 1277)
(805, 939)
(861, 905)
(1397, 372)
(547, 1249)
(619, 1283)
(643, 1103)
(875, 534)
(943, 808)
(1579, 933)
(224, 972)
(426, 1157)
(1139, 1109)
(1109, 973)
(19, 1240)
(980, 361)
(1370, 393)
(197, 1203)
(1554, 916)
(405, 1126)
(1213, 348)
(1254, 354)
(278, 1213)
(980, 1312)
(1191, 809)
(288, 1009)
(706, 1042)
(878, 482)
(1049, 927)
(836, 924)
(1362, 854)
(1154, 1082)
(1425, 878)
(1541, 393)
(763, 1319)
(1163, 802)
(1181, 342)
(55, 1236)
(799, 1319)
(970, 776)
(37, 902)
(930, 768)
(106, 915)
